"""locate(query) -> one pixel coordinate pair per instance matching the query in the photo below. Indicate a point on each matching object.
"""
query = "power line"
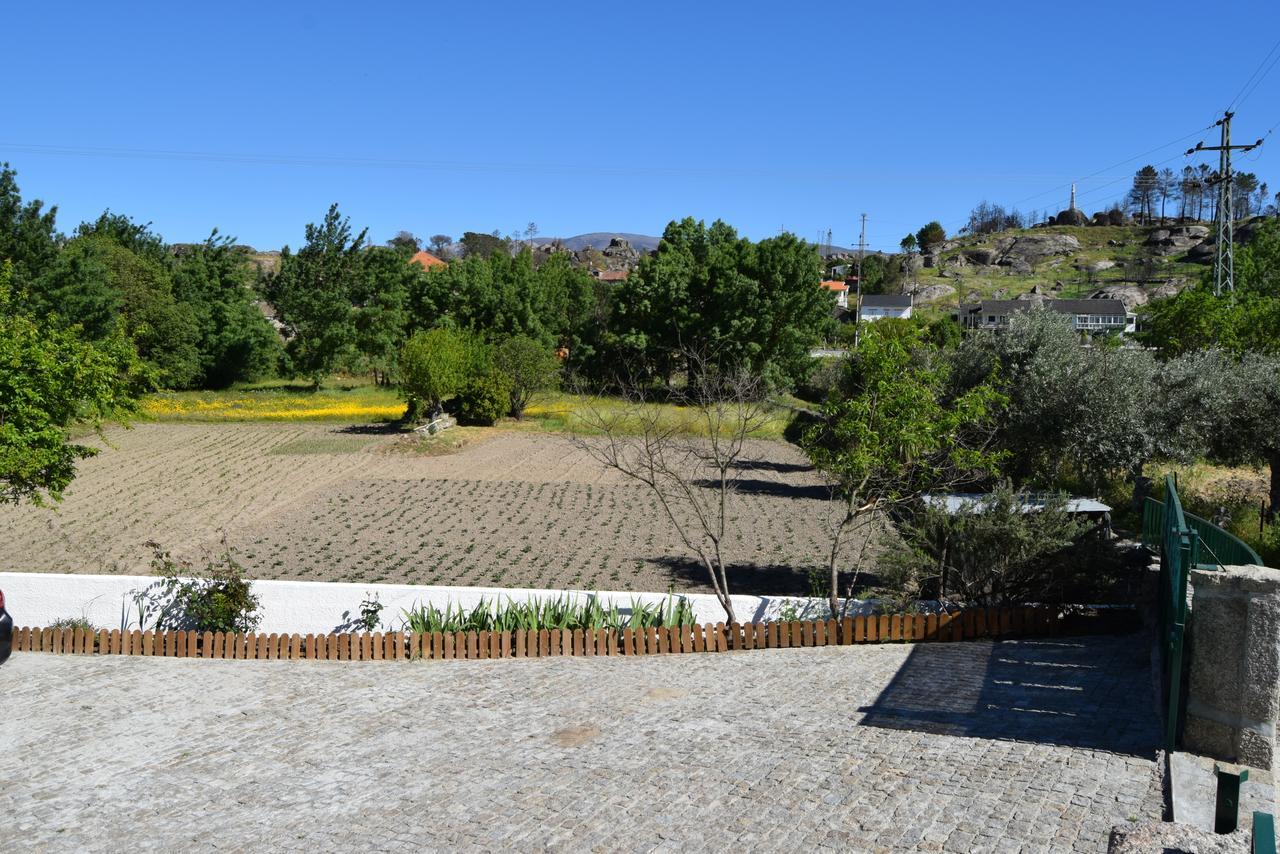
(1242, 94)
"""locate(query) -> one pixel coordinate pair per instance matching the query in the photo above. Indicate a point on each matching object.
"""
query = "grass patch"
(360, 402)
(324, 445)
(342, 401)
(569, 413)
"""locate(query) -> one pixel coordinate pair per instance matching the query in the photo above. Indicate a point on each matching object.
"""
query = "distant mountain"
(600, 239)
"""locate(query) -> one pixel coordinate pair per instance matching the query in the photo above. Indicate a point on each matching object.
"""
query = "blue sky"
(445, 117)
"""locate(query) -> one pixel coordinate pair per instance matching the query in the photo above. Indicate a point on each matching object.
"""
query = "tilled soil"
(325, 503)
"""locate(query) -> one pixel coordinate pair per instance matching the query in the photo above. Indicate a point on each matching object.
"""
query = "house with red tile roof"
(840, 289)
(427, 260)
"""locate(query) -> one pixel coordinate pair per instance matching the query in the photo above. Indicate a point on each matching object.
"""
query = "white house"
(878, 306)
(840, 289)
(1086, 315)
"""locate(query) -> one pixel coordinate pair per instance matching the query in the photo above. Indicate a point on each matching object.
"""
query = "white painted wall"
(36, 599)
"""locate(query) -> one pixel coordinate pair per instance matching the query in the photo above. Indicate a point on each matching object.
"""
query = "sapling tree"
(690, 461)
(891, 434)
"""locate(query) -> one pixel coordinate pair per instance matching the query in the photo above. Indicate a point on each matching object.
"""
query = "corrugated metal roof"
(968, 502)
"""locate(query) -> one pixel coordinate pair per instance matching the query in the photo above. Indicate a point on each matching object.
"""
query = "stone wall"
(1233, 699)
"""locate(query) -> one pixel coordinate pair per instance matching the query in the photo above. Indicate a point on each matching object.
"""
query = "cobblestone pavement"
(1031, 746)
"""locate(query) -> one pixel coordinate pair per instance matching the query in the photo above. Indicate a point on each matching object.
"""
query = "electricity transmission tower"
(1224, 220)
(862, 251)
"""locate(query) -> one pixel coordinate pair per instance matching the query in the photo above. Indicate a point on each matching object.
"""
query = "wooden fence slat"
(806, 633)
(553, 642)
(819, 633)
(148, 643)
(762, 635)
(375, 646)
(504, 643)
(103, 646)
(605, 643)
(629, 642)
(664, 645)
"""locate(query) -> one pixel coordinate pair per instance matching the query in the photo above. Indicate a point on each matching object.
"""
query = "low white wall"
(106, 601)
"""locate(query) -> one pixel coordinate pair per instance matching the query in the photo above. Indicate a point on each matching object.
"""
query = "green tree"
(27, 233)
(1246, 321)
(434, 366)
(235, 340)
(380, 313)
(755, 308)
(931, 236)
(312, 294)
(1072, 411)
(529, 366)
(894, 432)
(476, 243)
(53, 380)
(405, 242)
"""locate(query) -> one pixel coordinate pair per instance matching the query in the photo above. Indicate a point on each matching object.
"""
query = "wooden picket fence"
(393, 646)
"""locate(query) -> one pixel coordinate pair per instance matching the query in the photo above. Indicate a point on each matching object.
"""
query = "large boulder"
(1131, 295)
(1115, 216)
(1176, 240)
(1030, 249)
(929, 293)
(982, 255)
(1071, 216)
(1101, 218)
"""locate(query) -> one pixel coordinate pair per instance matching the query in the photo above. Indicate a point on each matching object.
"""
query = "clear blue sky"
(445, 117)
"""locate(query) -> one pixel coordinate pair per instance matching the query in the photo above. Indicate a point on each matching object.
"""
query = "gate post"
(1233, 690)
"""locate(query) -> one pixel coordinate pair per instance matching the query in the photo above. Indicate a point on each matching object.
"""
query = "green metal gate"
(1166, 527)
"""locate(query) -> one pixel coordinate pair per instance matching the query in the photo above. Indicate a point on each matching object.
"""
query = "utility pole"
(1224, 220)
(862, 251)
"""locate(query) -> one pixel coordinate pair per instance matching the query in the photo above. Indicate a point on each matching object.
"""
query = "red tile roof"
(427, 260)
(835, 285)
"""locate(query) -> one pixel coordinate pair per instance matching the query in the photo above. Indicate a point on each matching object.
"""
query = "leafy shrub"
(559, 613)
(73, 623)
(218, 599)
(484, 398)
(824, 377)
(529, 366)
(993, 552)
(435, 365)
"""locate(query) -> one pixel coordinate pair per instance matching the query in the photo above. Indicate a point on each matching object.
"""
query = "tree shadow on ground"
(761, 579)
(381, 428)
(1085, 692)
(770, 465)
(772, 488)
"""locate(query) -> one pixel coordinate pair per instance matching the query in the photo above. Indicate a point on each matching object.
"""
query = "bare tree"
(694, 467)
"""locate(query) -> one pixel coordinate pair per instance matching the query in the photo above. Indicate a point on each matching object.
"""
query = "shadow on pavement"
(1088, 692)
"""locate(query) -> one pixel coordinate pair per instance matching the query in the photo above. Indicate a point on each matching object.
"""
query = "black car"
(6, 631)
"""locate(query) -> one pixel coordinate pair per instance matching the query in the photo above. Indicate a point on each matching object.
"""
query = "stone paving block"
(1017, 745)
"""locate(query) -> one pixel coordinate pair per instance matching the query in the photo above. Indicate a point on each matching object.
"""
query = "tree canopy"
(751, 306)
(52, 379)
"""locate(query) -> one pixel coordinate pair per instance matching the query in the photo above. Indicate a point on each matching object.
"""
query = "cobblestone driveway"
(1037, 746)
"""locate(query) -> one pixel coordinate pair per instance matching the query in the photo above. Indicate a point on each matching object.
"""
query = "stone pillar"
(1233, 689)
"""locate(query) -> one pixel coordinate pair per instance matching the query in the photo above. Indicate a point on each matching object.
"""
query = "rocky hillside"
(1134, 263)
